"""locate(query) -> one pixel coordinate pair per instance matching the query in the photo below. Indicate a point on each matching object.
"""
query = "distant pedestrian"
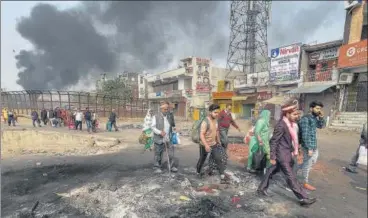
(94, 121)
(308, 125)
(5, 115)
(147, 129)
(112, 119)
(78, 119)
(35, 118)
(225, 119)
(44, 116)
(88, 119)
(51, 116)
(11, 118)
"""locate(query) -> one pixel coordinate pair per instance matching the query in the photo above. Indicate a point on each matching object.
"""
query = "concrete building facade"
(352, 64)
(188, 87)
(319, 76)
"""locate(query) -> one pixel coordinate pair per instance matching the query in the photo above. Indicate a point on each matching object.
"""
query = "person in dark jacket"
(88, 119)
(281, 155)
(35, 119)
(51, 116)
(112, 119)
(11, 117)
(44, 116)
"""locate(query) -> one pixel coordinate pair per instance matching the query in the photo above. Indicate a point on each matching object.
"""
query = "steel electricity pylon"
(248, 47)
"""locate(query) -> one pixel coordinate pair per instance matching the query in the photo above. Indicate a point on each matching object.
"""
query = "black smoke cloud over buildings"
(110, 37)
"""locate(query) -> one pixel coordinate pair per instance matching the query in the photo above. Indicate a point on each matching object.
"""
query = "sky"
(307, 22)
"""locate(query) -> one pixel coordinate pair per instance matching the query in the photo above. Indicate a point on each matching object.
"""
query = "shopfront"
(353, 80)
(244, 103)
(223, 98)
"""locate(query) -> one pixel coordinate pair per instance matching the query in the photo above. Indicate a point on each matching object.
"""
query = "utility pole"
(248, 47)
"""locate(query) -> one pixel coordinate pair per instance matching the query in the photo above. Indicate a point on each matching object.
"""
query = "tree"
(117, 88)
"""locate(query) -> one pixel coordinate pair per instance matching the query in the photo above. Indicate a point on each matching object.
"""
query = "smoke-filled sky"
(62, 45)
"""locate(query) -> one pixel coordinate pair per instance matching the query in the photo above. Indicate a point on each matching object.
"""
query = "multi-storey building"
(353, 58)
(188, 86)
(319, 75)
(352, 63)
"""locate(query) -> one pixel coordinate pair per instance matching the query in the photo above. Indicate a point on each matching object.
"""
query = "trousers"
(308, 163)
(202, 158)
(159, 151)
(289, 174)
(224, 137)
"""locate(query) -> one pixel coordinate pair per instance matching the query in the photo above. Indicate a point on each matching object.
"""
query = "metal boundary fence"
(23, 102)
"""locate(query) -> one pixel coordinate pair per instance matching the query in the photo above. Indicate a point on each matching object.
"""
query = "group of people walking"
(293, 135)
(9, 117)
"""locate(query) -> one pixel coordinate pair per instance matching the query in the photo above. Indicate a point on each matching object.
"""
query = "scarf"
(293, 133)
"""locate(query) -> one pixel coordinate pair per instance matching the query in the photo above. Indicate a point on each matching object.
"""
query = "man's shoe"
(307, 202)
(309, 187)
(200, 175)
(158, 171)
(263, 193)
(351, 169)
(252, 171)
(353, 165)
(174, 169)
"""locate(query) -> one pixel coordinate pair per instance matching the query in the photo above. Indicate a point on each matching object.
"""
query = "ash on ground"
(143, 194)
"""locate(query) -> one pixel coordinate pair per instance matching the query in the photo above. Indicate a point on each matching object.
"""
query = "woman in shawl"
(148, 130)
(261, 137)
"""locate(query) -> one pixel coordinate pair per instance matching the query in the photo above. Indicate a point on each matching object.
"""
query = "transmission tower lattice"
(248, 47)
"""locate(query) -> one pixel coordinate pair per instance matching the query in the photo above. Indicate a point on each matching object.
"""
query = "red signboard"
(261, 96)
(202, 61)
(203, 88)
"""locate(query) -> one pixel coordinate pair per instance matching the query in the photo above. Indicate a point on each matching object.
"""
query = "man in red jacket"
(224, 122)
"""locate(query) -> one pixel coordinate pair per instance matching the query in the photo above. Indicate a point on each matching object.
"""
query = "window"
(142, 78)
(324, 66)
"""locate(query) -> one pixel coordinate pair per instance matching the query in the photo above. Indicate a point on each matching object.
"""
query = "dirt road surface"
(118, 181)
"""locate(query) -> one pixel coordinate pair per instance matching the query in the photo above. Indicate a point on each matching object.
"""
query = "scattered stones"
(186, 183)
(44, 174)
(38, 164)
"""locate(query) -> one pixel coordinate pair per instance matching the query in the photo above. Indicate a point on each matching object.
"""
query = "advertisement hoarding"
(285, 63)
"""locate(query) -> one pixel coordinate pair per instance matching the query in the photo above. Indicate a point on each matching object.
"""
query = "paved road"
(338, 196)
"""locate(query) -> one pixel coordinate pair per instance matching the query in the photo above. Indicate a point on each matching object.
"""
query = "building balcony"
(168, 75)
(327, 75)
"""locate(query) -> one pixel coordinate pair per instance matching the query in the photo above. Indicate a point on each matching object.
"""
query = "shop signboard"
(222, 95)
(202, 61)
(323, 55)
(246, 91)
(261, 96)
(285, 63)
(353, 55)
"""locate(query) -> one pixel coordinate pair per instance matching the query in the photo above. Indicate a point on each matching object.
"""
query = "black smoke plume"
(110, 37)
